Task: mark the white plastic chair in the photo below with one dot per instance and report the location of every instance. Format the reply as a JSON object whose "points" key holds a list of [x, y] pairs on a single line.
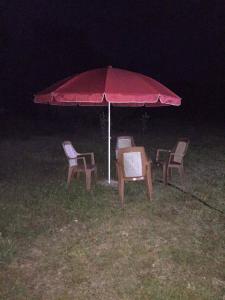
{"points": [[132, 165], [79, 163], [124, 142], [174, 159]]}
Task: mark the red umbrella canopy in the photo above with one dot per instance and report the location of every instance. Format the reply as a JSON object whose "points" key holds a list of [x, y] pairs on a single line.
{"points": [[117, 86]]}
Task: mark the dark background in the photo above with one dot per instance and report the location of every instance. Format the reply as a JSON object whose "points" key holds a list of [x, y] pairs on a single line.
{"points": [[179, 43]]}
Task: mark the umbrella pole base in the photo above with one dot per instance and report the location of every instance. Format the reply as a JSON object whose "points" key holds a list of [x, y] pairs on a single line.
{"points": [[104, 182]]}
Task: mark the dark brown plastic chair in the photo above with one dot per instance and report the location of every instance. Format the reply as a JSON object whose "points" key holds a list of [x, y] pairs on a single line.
{"points": [[79, 163], [132, 164], [174, 159]]}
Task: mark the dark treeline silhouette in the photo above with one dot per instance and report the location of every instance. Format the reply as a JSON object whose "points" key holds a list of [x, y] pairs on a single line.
{"points": [[182, 46]]}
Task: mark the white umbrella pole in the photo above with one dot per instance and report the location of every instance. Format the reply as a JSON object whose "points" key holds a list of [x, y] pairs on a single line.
{"points": [[109, 142]]}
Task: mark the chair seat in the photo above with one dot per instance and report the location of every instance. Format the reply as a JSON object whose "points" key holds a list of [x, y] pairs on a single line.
{"points": [[174, 163], [160, 162], [135, 179], [89, 167]]}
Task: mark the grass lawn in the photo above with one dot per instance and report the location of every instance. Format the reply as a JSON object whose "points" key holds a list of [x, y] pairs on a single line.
{"points": [[56, 244]]}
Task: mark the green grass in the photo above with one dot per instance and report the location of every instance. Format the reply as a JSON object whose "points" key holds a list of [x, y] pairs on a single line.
{"points": [[59, 244]]}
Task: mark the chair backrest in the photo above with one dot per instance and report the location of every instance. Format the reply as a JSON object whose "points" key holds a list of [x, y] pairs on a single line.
{"points": [[124, 142], [133, 161], [70, 152], [180, 149]]}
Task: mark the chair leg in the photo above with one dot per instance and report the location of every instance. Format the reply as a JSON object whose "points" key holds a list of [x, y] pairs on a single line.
{"points": [[169, 173], [70, 173], [165, 173], [148, 181], [117, 172], [96, 174], [88, 180], [121, 192], [181, 171]]}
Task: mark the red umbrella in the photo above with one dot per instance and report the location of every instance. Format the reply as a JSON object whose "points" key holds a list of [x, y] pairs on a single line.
{"points": [[104, 86]]}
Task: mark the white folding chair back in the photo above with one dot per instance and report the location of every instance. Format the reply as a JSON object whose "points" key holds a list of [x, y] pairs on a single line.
{"points": [[132, 164]]}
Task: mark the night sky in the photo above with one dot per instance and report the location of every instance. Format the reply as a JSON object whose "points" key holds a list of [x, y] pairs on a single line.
{"points": [[180, 43]]}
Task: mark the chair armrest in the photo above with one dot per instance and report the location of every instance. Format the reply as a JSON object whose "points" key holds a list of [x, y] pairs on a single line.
{"points": [[161, 150], [171, 158], [84, 161], [92, 156]]}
